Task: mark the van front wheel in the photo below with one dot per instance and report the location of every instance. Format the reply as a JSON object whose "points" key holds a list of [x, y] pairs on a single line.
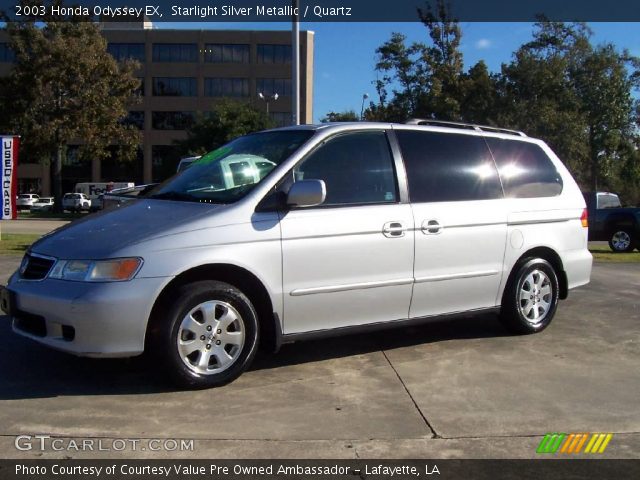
{"points": [[209, 335], [531, 297]]}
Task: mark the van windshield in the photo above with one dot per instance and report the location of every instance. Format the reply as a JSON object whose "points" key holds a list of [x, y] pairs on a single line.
{"points": [[229, 173]]}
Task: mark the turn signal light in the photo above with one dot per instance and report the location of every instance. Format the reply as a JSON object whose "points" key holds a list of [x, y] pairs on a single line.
{"points": [[584, 218]]}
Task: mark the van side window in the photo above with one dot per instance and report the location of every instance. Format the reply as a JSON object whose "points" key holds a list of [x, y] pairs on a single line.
{"points": [[525, 169], [445, 167], [357, 168]]}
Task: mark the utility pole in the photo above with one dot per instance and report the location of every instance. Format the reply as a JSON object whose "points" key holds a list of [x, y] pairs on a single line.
{"points": [[295, 64]]}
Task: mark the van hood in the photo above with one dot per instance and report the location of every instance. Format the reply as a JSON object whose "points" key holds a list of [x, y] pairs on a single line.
{"points": [[103, 234]]}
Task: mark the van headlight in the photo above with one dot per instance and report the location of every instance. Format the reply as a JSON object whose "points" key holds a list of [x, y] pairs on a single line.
{"points": [[116, 270]]}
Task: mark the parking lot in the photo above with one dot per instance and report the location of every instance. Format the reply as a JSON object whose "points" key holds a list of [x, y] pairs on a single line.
{"points": [[462, 389]]}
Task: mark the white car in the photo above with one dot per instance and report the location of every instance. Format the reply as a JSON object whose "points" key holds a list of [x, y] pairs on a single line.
{"points": [[307, 232], [44, 204], [26, 200], [76, 202]]}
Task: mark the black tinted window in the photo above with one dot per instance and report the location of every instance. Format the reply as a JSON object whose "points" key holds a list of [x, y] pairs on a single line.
{"points": [[226, 53], [175, 52], [356, 168], [526, 171], [175, 86], [444, 167], [127, 51]]}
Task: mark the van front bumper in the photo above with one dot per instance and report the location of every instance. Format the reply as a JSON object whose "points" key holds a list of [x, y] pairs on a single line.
{"points": [[84, 318]]}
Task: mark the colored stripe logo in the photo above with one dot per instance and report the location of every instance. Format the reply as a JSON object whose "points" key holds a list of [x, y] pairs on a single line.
{"points": [[572, 443]]}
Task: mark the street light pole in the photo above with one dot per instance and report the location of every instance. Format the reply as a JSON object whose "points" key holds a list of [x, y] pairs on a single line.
{"points": [[364, 97], [267, 99], [295, 64]]}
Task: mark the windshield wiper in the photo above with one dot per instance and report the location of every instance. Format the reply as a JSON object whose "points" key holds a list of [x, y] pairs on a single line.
{"points": [[171, 195]]}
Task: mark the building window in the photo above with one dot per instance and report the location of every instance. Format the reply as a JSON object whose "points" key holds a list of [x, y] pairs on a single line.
{"points": [[281, 119], [277, 54], [175, 52], [174, 87], [223, 53], [139, 91], [6, 54], [135, 118], [171, 120], [115, 168], [226, 87], [165, 160], [271, 86], [127, 51]]}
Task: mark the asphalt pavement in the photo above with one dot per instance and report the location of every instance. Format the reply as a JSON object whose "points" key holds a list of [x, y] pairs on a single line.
{"points": [[460, 389]]}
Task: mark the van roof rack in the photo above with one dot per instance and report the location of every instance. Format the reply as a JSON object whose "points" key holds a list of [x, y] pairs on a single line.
{"points": [[468, 126]]}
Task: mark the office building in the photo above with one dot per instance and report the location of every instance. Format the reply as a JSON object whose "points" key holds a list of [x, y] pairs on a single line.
{"points": [[183, 74]]}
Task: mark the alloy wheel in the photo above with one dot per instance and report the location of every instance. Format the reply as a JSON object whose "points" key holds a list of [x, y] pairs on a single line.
{"points": [[535, 297], [211, 337]]}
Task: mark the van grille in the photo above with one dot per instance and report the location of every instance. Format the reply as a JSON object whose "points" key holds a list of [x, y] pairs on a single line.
{"points": [[35, 267]]}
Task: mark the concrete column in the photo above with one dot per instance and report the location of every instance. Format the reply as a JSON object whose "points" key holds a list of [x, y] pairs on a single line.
{"points": [[96, 170], [46, 180], [147, 164]]}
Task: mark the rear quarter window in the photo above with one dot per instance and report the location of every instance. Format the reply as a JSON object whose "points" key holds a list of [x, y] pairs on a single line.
{"points": [[525, 169]]}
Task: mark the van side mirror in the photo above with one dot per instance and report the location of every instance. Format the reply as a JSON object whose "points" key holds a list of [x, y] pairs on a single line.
{"points": [[307, 193]]}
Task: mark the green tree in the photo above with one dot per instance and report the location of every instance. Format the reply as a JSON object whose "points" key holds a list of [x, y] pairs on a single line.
{"points": [[576, 97], [228, 120], [346, 116], [605, 89], [65, 88], [479, 96], [403, 79], [444, 63], [421, 80]]}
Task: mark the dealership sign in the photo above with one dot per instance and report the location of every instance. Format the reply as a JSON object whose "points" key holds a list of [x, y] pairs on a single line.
{"points": [[9, 176]]}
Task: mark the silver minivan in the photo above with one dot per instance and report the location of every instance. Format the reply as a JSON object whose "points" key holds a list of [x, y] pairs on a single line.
{"points": [[311, 231]]}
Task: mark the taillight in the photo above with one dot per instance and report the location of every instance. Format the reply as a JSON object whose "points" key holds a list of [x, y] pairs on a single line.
{"points": [[584, 219]]}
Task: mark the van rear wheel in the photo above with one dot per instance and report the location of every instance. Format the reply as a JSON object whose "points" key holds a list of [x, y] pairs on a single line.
{"points": [[209, 335], [531, 297]]}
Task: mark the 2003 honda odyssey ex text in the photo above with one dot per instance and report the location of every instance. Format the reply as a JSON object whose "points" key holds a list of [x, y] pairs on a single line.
{"points": [[307, 231]]}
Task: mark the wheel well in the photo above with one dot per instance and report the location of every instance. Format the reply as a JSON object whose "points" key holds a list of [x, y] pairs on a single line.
{"points": [[556, 262], [240, 278]]}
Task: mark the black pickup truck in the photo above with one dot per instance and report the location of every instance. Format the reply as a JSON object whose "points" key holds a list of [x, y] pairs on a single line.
{"points": [[609, 221]]}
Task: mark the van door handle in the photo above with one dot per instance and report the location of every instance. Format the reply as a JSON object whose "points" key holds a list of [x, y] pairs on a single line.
{"points": [[431, 227], [393, 229]]}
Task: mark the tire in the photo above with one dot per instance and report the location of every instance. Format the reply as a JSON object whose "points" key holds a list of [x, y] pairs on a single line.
{"points": [[530, 298], [208, 335], [621, 240]]}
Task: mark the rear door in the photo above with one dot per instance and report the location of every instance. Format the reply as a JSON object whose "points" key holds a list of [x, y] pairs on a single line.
{"points": [[349, 261], [460, 221]]}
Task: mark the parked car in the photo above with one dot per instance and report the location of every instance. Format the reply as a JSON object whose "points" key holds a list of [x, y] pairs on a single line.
{"points": [[186, 163], [26, 200], [44, 204], [119, 197], [94, 190], [609, 221], [348, 228], [76, 202]]}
